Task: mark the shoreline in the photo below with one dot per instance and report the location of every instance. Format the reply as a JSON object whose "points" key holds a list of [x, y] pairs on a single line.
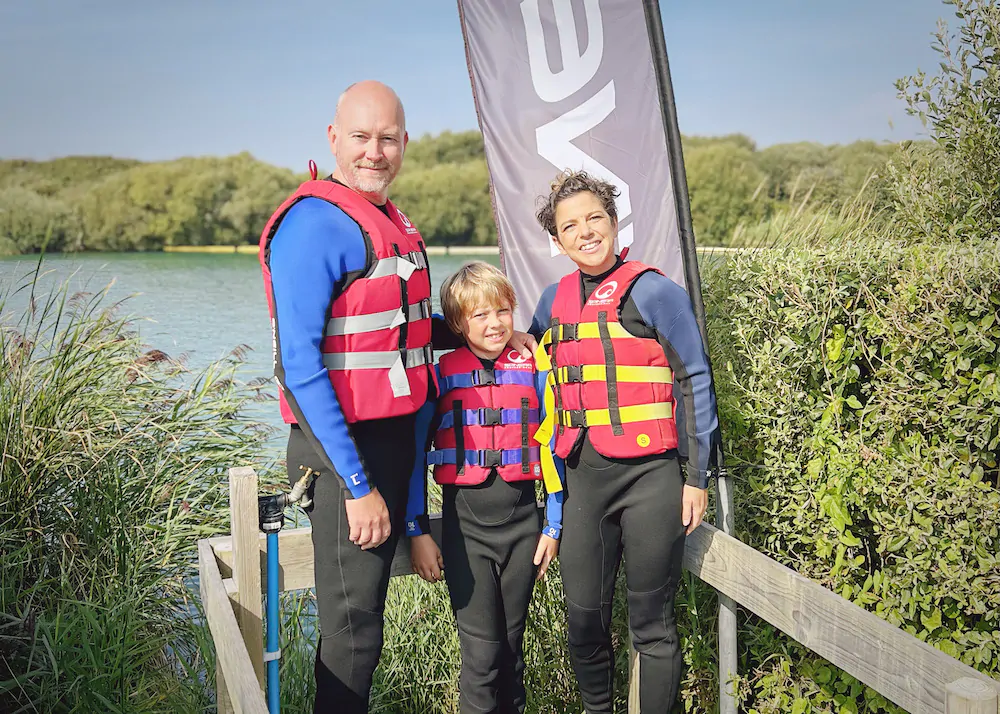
{"points": [[431, 249]]}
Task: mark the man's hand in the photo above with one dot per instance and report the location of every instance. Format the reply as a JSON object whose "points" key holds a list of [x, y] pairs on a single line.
{"points": [[545, 553], [368, 518], [695, 502], [523, 343], [425, 557]]}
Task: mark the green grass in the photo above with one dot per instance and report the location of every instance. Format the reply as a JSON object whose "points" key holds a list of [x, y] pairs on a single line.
{"points": [[113, 465]]}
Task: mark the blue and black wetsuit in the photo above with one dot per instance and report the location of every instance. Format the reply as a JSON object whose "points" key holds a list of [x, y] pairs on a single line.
{"points": [[315, 253], [634, 507], [489, 533]]}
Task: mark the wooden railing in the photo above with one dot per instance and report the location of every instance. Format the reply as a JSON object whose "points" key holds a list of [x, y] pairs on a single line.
{"points": [[911, 673]]}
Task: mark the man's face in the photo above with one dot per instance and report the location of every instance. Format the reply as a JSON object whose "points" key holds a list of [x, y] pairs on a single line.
{"points": [[586, 233], [368, 141]]}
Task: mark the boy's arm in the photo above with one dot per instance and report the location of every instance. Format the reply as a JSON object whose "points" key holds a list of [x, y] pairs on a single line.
{"points": [[417, 522]]}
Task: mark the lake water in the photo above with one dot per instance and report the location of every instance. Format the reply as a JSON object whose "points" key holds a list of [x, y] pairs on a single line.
{"points": [[197, 305]]}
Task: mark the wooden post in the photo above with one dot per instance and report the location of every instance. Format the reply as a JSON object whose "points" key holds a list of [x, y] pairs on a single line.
{"points": [[246, 563], [727, 606], [633, 678], [971, 696]]}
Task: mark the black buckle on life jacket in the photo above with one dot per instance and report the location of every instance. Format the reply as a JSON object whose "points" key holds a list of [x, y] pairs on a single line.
{"points": [[577, 418], [489, 416], [574, 373], [569, 332], [484, 378], [425, 308], [488, 458]]}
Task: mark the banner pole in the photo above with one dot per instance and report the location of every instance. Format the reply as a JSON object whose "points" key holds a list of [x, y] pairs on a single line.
{"points": [[728, 665]]}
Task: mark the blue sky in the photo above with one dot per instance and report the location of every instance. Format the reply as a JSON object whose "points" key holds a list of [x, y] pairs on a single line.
{"points": [[192, 77]]}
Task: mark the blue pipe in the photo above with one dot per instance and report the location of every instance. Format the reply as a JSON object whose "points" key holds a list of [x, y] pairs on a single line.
{"points": [[273, 690]]}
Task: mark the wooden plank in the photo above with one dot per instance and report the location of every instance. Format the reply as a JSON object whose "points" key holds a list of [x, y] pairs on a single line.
{"points": [[971, 696], [233, 660], [295, 556], [907, 671], [246, 570], [223, 704]]}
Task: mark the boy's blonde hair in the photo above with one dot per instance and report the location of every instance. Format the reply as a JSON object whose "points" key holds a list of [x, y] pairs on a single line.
{"points": [[474, 284]]}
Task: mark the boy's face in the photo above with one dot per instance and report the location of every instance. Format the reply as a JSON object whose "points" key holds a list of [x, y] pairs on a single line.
{"points": [[487, 329], [586, 233]]}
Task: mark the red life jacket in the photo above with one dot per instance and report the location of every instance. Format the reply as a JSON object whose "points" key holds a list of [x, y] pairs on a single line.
{"points": [[377, 342], [617, 386], [489, 417]]}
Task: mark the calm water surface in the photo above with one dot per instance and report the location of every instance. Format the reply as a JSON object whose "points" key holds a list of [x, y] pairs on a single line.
{"points": [[198, 306]]}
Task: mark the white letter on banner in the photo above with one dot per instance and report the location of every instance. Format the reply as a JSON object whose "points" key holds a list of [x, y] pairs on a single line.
{"points": [[578, 69], [555, 146]]}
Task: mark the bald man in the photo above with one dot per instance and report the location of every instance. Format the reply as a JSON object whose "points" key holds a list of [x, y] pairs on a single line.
{"points": [[349, 294]]}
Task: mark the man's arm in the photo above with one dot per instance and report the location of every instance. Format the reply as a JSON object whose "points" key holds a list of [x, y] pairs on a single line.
{"points": [[314, 249], [441, 335], [666, 307]]}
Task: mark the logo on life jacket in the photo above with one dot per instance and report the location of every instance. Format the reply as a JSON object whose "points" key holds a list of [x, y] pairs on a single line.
{"points": [[516, 357], [602, 296], [406, 222]]}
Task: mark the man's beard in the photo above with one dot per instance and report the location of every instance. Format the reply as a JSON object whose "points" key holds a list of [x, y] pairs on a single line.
{"points": [[372, 184]]}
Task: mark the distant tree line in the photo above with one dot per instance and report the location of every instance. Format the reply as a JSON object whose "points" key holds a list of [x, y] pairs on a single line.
{"points": [[84, 203]]}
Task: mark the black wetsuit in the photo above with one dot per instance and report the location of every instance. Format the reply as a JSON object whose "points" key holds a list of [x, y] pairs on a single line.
{"points": [[489, 536], [633, 507]]}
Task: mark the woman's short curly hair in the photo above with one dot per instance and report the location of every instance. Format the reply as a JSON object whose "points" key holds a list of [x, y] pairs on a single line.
{"points": [[569, 183]]}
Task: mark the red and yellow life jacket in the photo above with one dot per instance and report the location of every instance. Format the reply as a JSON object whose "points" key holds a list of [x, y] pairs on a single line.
{"points": [[377, 342], [487, 418], [617, 386]]}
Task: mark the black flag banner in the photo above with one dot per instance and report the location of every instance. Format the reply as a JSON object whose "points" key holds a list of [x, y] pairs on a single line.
{"points": [[571, 84]]}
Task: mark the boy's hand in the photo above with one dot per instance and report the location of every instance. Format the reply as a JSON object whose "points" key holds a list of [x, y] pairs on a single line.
{"points": [[425, 557], [545, 553], [523, 343]]}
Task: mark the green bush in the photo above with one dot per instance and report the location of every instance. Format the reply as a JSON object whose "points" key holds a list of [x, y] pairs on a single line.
{"points": [[860, 398]]}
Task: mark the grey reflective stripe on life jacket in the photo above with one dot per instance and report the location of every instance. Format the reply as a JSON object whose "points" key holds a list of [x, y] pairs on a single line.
{"points": [[393, 361], [373, 322]]}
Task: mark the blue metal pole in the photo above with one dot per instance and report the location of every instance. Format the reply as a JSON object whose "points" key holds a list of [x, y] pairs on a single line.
{"points": [[273, 691]]}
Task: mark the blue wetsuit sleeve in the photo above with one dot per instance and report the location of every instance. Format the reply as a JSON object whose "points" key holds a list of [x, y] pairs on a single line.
{"points": [[315, 247], [417, 522], [552, 526], [666, 307], [543, 312]]}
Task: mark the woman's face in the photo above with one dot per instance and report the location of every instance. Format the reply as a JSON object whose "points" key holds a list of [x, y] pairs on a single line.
{"points": [[586, 233]]}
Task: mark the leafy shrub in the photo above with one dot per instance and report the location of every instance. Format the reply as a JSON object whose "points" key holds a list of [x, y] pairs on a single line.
{"points": [[861, 402]]}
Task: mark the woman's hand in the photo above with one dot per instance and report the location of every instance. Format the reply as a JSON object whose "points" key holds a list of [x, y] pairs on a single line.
{"points": [[695, 502], [523, 343]]}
